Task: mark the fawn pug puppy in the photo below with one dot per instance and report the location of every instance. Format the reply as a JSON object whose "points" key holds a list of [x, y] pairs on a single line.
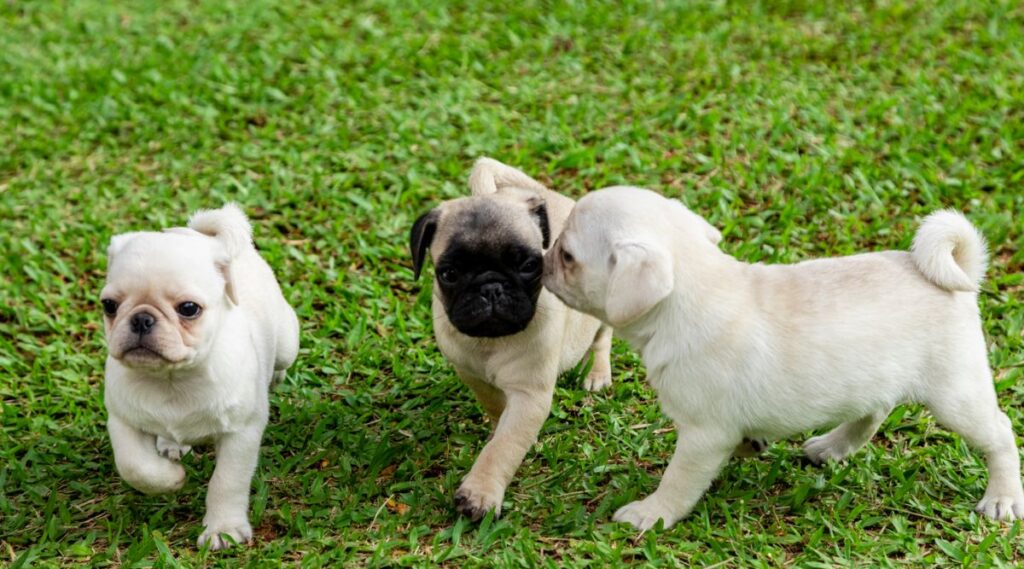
{"points": [[507, 337], [196, 328], [737, 350]]}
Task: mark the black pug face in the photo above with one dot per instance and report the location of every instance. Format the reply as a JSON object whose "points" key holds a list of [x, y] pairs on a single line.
{"points": [[490, 259], [490, 290]]}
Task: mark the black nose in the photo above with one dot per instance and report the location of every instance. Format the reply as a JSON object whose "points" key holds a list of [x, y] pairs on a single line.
{"points": [[492, 291], [142, 323]]}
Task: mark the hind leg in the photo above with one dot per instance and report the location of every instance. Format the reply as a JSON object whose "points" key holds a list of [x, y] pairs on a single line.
{"points": [[973, 412], [845, 439], [287, 339], [170, 449], [600, 375]]}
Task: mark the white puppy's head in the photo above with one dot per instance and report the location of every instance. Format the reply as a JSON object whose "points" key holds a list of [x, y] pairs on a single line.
{"points": [[620, 249], [165, 297]]}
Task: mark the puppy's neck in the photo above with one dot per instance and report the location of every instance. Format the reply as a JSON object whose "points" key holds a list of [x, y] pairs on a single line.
{"points": [[171, 376], [181, 374]]}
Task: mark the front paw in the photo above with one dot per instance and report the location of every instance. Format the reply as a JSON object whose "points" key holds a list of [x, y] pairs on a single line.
{"points": [[170, 449], [221, 535], [597, 380], [157, 477], [643, 514], [474, 500], [1002, 507]]}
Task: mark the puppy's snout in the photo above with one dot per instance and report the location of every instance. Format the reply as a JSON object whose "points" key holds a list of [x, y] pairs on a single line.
{"points": [[492, 291], [142, 323]]}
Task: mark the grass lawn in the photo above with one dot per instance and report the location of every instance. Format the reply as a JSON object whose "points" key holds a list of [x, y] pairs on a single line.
{"points": [[799, 128]]}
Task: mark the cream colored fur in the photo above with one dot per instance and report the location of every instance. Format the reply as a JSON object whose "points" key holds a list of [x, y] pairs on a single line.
{"points": [[738, 351], [203, 379]]}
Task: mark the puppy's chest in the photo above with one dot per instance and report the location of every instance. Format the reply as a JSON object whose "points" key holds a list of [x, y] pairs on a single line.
{"points": [[200, 426], [689, 391], [192, 418], [467, 358]]}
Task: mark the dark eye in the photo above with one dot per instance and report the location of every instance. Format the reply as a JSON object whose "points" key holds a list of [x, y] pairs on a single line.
{"points": [[530, 266], [188, 309], [448, 275], [567, 257], [109, 306]]}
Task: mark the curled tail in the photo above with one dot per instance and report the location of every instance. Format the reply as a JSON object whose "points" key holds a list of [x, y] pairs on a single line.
{"points": [[950, 252], [227, 224], [489, 175]]}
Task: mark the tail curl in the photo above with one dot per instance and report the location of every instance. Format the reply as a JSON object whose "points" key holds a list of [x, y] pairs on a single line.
{"points": [[950, 251], [227, 224]]}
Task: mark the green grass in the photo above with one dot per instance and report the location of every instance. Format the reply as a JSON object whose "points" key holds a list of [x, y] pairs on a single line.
{"points": [[801, 130]]}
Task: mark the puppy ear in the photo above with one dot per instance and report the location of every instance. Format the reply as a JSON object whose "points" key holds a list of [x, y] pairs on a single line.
{"points": [[710, 231], [420, 238], [488, 176], [539, 211], [224, 268], [118, 242], [641, 277]]}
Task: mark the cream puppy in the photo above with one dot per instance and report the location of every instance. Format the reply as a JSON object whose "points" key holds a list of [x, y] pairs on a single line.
{"points": [[738, 351], [196, 328]]}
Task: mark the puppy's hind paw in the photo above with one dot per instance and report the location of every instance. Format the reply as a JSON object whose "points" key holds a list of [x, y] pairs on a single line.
{"points": [[278, 378], [750, 447], [218, 536], [170, 449], [597, 380], [1002, 507], [824, 448]]}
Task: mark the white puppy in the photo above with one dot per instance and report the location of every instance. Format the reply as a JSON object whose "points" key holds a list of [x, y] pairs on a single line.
{"points": [[738, 351], [196, 329]]}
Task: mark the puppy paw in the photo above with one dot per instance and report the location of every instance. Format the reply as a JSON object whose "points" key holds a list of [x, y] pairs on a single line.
{"points": [[597, 380], [474, 500], [154, 475], [1007, 507], [643, 514], [824, 448], [279, 376], [222, 535], [170, 449]]}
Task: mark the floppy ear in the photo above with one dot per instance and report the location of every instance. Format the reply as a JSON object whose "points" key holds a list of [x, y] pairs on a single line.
{"points": [[712, 232], [420, 238], [224, 268], [539, 211], [709, 231], [641, 277], [118, 242]]}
